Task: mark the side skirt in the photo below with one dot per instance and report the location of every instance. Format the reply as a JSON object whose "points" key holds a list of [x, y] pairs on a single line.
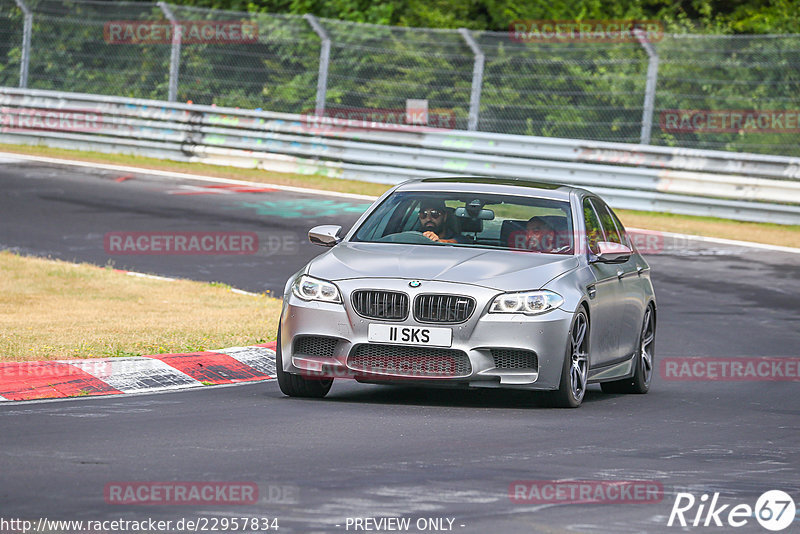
{"points": [[615, 371]]}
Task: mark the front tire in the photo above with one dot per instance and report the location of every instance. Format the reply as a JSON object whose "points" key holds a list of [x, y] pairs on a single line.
{"points": [[575, 371], [295, 385], [639, 383]]}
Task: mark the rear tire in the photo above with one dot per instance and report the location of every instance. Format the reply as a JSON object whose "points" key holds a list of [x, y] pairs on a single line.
{"points": [[295, 385], [639, 383], [575, 371]]}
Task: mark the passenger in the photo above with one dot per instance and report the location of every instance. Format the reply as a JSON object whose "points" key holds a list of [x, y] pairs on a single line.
{"points": [[434, 219]]}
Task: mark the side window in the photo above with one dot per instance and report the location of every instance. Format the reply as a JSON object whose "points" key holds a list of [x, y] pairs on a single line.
{"points": [[594, 232], [612, 233], [623, 234]]}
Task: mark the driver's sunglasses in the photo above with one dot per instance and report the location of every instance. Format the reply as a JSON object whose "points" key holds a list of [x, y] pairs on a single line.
{"points": [[430, 214]]}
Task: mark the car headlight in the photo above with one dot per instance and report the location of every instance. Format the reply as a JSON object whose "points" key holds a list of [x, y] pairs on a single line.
{"points": [[527, 302], [309, 288]]}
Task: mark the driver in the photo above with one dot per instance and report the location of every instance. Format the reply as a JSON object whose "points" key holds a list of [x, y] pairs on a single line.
{"points": [[433, 217]]}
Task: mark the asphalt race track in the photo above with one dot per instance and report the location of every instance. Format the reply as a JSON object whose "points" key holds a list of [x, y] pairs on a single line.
{"points": [[65, 213], [386, 452]]}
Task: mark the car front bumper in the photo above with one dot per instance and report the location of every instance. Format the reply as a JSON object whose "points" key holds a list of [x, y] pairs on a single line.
{"points": [[483, 342]]}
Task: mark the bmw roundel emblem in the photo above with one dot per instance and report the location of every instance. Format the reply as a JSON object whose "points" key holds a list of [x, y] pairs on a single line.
{"points": [[414, 283]]}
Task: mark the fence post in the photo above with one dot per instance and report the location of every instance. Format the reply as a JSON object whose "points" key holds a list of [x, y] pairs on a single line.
{"points": [[650, 89], [477, 79], [25, 60], [175, 55], [324, 61]]}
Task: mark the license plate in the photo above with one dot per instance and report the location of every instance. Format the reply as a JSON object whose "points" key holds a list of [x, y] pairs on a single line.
{"points": [[410, 335]]}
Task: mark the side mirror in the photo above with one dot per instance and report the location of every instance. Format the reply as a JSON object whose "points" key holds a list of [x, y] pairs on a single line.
{"points": [[613, 252], [326, 235]]}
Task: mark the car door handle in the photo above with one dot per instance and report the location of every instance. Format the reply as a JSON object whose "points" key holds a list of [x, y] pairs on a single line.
{"points": [[639, 269], [620, 273], [592, 290]]}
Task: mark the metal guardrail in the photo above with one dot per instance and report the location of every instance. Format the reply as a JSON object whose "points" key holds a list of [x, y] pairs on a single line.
{"points": [[747, 187]]}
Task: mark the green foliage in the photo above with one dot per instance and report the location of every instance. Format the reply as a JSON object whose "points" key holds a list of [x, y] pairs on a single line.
{"points": [[705, 16], [576, 90]]}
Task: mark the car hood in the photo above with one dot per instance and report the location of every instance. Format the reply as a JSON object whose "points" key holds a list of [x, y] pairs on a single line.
{"points": [[497, 269]]}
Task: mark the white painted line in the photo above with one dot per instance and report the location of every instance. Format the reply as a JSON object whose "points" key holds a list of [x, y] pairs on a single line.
{"points": [[139, 170], [168, 279], [151, 276], [185, 176], [260, 358], [2, 398], [720, 241], [137, 374], [243, 292]]}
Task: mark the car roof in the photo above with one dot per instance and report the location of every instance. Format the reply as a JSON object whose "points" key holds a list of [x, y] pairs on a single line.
{"points": [[484, 184]]}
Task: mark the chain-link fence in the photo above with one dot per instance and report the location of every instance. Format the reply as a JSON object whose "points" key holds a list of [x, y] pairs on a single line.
{"points": [[704, 90]]}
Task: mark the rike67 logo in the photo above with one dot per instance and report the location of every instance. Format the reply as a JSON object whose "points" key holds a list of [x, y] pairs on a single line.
{"points": [[774, 510]]}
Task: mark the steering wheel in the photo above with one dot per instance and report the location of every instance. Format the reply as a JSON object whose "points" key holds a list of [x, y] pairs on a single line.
{"points": [[410, 237]]}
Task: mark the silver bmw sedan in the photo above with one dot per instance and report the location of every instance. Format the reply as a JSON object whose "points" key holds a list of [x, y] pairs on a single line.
{"points": [[473, 282]]}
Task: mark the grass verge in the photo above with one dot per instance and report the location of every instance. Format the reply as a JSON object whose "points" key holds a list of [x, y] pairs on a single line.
{"points": [[56, 310], [773, 234]]}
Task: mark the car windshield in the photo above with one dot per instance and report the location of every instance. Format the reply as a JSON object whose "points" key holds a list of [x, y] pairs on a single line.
{"points": [[509, 222]]}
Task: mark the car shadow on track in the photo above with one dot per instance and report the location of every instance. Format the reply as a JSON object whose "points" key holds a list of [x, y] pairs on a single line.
{"points": [[467, 398]]}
